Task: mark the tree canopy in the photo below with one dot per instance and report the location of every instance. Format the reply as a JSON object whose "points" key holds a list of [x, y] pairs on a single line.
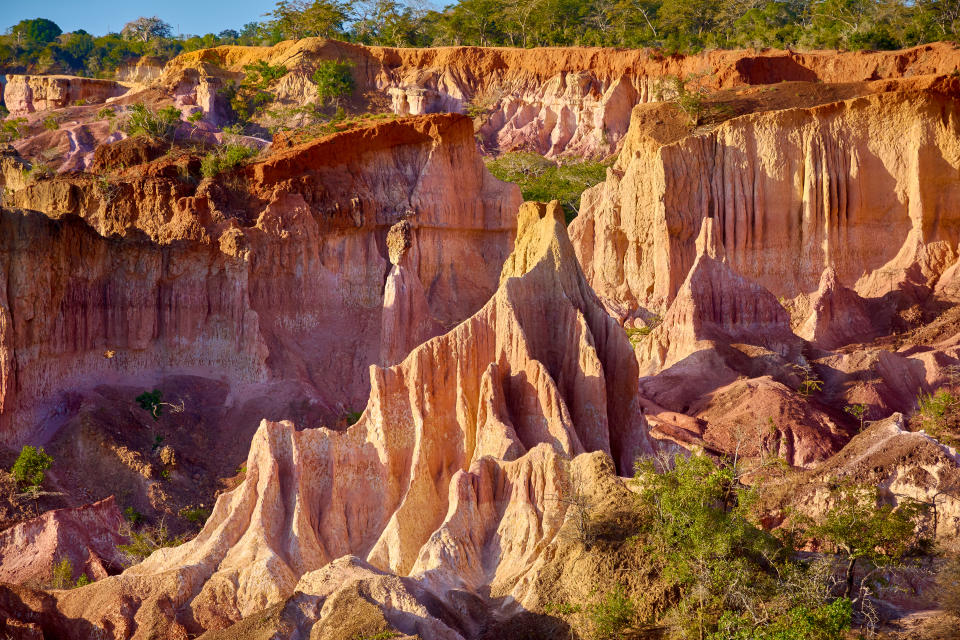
{"points": [[38, 45]]}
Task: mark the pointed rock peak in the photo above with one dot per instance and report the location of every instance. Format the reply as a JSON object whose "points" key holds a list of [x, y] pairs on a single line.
{"points": [[838, 315], [716, 305], [531, 213], [828, 280], [541, 232], [708, 243]]}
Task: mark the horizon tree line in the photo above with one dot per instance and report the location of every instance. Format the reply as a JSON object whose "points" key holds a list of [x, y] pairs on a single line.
{"points": [[673, 26]]}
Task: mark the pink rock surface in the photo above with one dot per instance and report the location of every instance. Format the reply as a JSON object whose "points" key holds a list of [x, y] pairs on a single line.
{"points": [[838, 316], [716, 305], [562, 101], [87, 536]]}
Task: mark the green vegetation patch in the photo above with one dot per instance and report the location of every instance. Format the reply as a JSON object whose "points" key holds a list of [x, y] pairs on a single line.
{"points": [[225, 158], [31, 466], [160, 124], [543, 180]]}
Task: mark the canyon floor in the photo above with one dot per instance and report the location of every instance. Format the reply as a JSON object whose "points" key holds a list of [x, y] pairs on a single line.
{"points": [[348, 384]]}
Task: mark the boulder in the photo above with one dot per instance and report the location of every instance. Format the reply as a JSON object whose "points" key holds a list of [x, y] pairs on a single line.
{"points": [[86, 536]]}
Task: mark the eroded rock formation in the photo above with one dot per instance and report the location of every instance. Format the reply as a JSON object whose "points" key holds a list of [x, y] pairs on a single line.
{"points": [[281, 279], [904, 465], [23, 95], [452, 477], [846, 185], [556, 101]]}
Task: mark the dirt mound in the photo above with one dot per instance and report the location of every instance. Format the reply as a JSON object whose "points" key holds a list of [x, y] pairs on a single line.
{"points": [[126, 153]]}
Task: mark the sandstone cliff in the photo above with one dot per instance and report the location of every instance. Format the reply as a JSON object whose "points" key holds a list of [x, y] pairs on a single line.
{"points": [[556, 101], [845, 185], [23, 95], [278, 278]]}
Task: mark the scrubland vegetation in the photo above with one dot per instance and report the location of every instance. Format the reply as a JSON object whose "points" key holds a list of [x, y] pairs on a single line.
{"points": [[543, 180], [715, 573], [39, 45]]}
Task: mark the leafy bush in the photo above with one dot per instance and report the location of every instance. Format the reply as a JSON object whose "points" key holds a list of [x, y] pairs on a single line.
{"points": [[132, 515], [50, 123], [729, 580], [483, 102], [149, 401], [12, 129], [690, 97], [251, 95], [261, 74], [634, 334], [948, 586], [145, 541], [860, 528], [858, 411], [196, 515], [334, 81], [380, 635], [153, 124], [31, 466], [543, 180], [106, 113], [37, 171], [62, 577], [826, 622], [939, 413], [225, 158], [612, 615]]}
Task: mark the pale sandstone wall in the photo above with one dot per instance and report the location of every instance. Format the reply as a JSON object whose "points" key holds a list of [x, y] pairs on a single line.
{"points": [[23, 95], [867, 187], [559, 101]]}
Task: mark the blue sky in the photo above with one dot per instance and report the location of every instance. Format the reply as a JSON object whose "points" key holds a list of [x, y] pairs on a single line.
{"points": [[97, 17]]}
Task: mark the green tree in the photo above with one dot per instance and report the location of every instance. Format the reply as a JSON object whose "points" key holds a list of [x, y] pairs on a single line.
{"points": [[939, 414], [38, 31], [860, 528], [78, 45], [146, 29], [31, 466], [296, 19], [334, 81], [612, 615], [150, 402], [543, 180], [729, 579], [698, 526], [775, 24], [62, 574], [690, 21], [159, 124], [948, 586]]}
